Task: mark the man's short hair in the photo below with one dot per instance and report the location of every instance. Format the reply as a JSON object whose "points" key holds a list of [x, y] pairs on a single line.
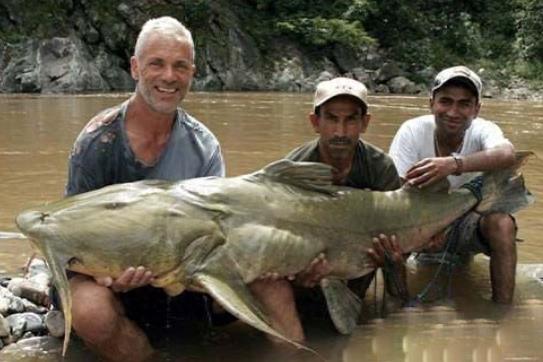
{"points": [[165, 25]]}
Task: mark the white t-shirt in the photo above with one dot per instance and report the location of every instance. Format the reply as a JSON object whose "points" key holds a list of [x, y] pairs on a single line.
{"points": [[414, 141]]}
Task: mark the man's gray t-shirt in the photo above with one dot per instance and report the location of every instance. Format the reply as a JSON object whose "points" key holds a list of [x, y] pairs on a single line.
{"points": [[102, 156]]}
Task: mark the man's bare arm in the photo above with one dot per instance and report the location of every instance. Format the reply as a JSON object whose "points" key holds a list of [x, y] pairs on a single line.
{"points": [[430, 170]]}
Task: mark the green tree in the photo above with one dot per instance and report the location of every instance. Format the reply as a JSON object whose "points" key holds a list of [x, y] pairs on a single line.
{"points": [[530, 23]]}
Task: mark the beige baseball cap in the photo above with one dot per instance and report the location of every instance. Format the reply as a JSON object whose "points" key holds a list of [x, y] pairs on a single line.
{"points": [[329, 89], [458, 72]]}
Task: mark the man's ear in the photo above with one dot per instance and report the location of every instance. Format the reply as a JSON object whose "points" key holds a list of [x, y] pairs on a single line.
{"points": [[134, 67], [314, 119], [477, 109], [365, 122]]}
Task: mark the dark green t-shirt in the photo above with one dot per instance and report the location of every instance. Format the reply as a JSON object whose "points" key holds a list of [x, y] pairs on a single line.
{"points": [[372, 168]]}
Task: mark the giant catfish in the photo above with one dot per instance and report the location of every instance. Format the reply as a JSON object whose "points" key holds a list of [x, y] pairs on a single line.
{"points": [[217, 235]]}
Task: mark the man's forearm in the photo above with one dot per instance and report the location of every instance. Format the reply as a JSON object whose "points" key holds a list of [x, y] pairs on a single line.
{"points": [[490, 159]]}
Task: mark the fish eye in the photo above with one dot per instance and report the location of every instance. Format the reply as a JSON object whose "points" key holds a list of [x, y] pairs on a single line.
{"points": [[73, 261]]}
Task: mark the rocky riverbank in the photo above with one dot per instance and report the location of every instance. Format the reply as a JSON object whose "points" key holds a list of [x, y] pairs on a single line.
{"points": [[85, 47], [27, 319]]}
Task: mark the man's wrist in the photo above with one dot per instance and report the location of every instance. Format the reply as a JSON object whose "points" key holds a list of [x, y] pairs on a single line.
{"points": [[459, 160]]}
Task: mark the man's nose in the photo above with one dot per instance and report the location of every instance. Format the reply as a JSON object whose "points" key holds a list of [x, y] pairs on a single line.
{"points": [[453, 110], [168, 73], [340, 129]]}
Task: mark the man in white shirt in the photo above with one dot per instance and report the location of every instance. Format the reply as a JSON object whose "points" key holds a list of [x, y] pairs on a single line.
{"points": [[453, 142]]}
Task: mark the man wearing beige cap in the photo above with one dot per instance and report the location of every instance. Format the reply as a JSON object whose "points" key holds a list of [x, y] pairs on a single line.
{"points": [[455, 143], [339, 116]]}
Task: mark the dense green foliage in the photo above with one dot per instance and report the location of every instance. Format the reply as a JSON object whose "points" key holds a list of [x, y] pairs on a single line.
{"points": [[494, 34], [418, 33]]}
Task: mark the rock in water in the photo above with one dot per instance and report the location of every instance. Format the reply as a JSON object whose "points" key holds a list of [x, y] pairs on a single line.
{"points": [[54, 321], [4, 327]]}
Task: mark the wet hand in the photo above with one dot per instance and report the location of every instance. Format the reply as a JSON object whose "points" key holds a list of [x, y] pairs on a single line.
{"points": [[430, 170], [130, 279], [311, 276], [384, 246], [436, 243]]}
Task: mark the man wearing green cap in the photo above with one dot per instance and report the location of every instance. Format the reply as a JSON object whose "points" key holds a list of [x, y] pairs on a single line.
{"points": [[454, 143]]}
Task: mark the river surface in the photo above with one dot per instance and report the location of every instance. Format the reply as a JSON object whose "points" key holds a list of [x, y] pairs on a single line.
{"points": [[36, 133]]}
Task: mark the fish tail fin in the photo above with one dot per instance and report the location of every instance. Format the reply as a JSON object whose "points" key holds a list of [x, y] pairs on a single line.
{"points": [[63, 288], [502, 190]]}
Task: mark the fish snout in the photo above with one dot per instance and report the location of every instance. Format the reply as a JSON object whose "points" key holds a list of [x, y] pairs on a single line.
{"points": [[28, 220]]}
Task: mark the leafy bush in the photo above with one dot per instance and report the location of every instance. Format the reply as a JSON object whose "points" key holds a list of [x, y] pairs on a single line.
{"points": [[530, 23], [319, 32]]}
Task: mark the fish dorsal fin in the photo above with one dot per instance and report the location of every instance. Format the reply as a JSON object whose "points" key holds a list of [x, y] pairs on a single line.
{"points": [[442, 186], [313, 176]]}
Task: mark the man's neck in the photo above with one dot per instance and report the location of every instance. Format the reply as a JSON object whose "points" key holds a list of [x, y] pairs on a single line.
{"points": [[342, 166], [447, 144], [148, 131], [142, 120]]}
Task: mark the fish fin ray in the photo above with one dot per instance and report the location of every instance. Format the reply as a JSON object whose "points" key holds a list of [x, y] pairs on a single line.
{"points": [[57, 267], [343, 305], [236, 298], [314, 176]]}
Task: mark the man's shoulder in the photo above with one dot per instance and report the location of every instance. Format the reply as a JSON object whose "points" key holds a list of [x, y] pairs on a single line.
{"points": [[305, 152], [426, 120], [373, 153], [483, 123], [102, 128], [103, 119], [196, 128], [373, 168]]}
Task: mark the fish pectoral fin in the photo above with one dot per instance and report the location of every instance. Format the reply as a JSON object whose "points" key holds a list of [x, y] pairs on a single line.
{"points": [[171, 282], [57, 267], [236, 298], [343, 305]]}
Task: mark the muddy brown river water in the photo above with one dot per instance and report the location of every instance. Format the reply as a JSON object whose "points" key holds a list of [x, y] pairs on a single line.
{"points": [[36, 133]]}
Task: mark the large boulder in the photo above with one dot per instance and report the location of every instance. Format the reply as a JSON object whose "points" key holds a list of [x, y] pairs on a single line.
{"points": [[229, 58], [401, 84], [60, 65]]}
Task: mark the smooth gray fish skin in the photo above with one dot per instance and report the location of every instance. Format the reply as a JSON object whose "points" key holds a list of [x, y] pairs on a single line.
{"points": [[219, 234]]}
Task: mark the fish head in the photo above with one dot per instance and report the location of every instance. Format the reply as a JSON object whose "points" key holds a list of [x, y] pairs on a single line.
{"points": [[30, 222], [122, 216], [119, 225]]}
